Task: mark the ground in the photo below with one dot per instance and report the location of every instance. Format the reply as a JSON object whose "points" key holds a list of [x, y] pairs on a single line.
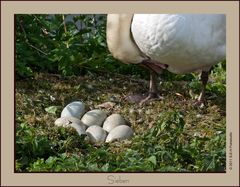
{"points": [[170, 135]]}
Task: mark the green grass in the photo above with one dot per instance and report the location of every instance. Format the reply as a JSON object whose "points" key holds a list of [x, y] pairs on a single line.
{"points": [[171, 135]]}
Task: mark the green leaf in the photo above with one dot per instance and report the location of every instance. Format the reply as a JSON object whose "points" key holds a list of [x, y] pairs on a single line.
{"points": [[153, 160], [105, 167], [51, 109]]}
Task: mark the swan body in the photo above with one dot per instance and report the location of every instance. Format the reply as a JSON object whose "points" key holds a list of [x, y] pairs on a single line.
{"points": [[180, 43], [185, 42], [120, 41]]}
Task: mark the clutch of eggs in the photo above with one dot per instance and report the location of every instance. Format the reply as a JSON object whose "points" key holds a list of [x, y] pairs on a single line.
{"points": [[94, 123]]}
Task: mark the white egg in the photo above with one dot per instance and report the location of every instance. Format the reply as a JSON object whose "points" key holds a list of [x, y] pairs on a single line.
{"points": [[79, 128], [75, 109], [113, 121], [96, 134], [71, 122], [121, 132], [94, 117], [66, 121]]}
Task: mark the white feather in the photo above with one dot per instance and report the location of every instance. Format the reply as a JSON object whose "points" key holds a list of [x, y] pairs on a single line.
{"points": [[185, 42]]}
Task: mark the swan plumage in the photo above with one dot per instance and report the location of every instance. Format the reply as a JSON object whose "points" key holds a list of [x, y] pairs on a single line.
{"points": [[119, 39], [180, 43], [185, 42]]}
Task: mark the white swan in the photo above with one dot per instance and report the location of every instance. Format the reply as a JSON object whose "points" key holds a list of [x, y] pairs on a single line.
{"points": [[180, 43]]}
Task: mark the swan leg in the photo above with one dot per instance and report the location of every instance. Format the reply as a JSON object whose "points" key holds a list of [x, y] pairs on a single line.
{"points": [[155, 68], [151, 95], [153, 84], [204, 80], [153, 91]]}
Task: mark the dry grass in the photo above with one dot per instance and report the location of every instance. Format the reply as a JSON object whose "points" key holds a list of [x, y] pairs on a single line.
{"points": [[45, 90]]}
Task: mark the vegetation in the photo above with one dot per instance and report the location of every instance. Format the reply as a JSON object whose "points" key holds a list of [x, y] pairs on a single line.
{"points": [[47, 43], [61, 61]]}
